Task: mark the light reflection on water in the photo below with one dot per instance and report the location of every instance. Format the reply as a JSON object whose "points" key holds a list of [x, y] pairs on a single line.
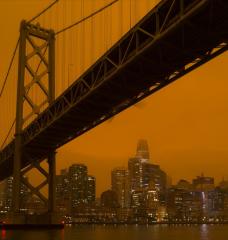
{"points": [[204, 232], [3, 234], [125, 232]]}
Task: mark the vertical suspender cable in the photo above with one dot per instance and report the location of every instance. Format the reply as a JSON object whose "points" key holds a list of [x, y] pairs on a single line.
{"points": [[64, 48], [92, 35], [130, 15]]}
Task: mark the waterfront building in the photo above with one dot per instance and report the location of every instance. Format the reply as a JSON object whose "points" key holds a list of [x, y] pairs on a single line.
{"points": [[184, 205], [109, 199], [91, 189], [223, 184], [74, 187], [35, 205], [225, 205], [63, 191], [78, 184], [196, 205], [24, 196], [7, 195], [8, 192], [152, 201], [82, 187], [175, 203], [120, 185], [184, 184], [161, 214], [2, 196], [124, 214], [203, 183]]}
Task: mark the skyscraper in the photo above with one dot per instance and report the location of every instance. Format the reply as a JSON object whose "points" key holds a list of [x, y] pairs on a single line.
{"points": [[203, 183], [143, 150], [120, 185], [7, 195], [78, 184], [63, 191], [135, 173], [135, 165], [142, 172], [91, 189], [152, 172], [2, 195]]}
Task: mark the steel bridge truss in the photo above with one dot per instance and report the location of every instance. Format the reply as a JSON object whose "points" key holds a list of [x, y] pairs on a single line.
{"points": [[149, 32], [35, 70]]}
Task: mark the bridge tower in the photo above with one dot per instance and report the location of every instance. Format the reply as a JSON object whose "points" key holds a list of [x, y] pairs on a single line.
{"points": [[36, 71]]}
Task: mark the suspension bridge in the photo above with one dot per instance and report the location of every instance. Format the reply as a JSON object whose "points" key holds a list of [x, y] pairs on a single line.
{"points": [[61, 94]]}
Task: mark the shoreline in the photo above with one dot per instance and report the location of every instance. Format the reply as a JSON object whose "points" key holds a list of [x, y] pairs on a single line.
{"points": [[152, 223]]}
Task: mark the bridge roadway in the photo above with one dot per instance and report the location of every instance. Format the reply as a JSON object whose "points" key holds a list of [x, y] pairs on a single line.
{"points": [[174, 38]]}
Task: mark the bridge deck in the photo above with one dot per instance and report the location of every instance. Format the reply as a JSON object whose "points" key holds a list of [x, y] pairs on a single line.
{"points": [[171, 40]]}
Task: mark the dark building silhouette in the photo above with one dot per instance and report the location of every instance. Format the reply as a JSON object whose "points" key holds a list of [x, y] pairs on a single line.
{"points": [[203, 183], [184, 184], [109, 199]]}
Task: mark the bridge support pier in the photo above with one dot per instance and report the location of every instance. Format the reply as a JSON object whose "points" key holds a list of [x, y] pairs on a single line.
{"points": [[48, 217], [52, 183], [36, 70], [17, 175]]}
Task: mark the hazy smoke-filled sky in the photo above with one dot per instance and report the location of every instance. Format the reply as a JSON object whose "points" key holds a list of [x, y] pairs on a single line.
{"points": [[184, 123]]}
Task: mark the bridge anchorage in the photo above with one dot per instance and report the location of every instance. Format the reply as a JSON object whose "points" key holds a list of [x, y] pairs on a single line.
{"points": [[36, 71]]}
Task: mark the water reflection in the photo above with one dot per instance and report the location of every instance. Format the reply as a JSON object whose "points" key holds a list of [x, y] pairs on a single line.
{"points": [[204, 230], [3, 234], [34, 235], [133, 232]]}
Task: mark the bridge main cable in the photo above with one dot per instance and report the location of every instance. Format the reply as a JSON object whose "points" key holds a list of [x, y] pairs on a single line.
{"points": [[15, 50], [84, 19], [9, 68], [43, 11]]}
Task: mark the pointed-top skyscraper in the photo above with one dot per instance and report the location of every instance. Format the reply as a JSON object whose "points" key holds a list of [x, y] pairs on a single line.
{"points": [[143, 149]]}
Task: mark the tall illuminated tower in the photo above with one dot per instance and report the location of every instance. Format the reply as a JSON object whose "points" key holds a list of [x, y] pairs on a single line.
{"points": [[143, 150]]}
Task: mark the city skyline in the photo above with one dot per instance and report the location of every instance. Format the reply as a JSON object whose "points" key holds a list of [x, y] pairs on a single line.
{"points": [[124, 164], [140, 193]]}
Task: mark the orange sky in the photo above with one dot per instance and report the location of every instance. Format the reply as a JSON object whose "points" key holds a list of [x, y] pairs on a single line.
{"points": [[184, 123]]}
